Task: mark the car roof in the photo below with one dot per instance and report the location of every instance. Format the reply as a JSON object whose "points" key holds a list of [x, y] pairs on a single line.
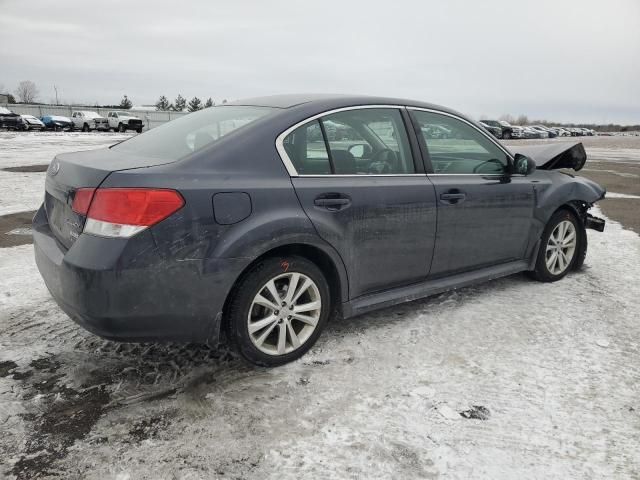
{"points": [[331, 101]]}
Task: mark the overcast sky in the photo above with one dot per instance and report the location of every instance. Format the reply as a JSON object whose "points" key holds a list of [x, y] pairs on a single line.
{"points": [[569, 60]]}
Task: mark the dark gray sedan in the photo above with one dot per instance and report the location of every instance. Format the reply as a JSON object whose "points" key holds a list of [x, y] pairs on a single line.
{"points": [[256, 221]]}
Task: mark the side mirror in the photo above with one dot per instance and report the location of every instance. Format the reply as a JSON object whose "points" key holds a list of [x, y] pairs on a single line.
{"points": [[360, 150], [523, 165]]}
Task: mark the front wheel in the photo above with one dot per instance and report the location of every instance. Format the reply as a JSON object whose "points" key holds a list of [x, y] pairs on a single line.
{"points": [[278, 310], [506, 135], [122, 128], [561, 247], [85, 127]]}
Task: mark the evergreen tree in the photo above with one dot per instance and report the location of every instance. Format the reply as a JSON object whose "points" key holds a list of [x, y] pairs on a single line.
{"points": [[210, 103], [195, 104], [125, 103], [162, 104], [180, 103]]}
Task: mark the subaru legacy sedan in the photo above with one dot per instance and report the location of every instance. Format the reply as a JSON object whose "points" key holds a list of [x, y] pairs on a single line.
{"points": [[256, 221]]}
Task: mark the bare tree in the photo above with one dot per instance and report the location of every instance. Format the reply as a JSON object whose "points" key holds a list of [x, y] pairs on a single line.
{"points": [[27, 91]]}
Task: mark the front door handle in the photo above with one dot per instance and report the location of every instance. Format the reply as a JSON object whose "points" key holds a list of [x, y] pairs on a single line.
{"points": [[333, 202], [453, 198]]}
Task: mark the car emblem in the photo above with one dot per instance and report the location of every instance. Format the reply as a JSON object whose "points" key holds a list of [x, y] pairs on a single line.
{"points": [[54, 168]]}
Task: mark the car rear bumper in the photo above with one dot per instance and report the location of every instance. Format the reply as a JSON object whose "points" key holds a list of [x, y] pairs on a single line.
{"points": [[125, 291]]}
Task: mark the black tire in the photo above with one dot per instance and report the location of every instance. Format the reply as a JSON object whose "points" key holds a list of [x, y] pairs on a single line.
{"points": [[541, 271], [252, 282], [85, 127], [581, 254], [122, 128], [506, 135], [139, 130]]}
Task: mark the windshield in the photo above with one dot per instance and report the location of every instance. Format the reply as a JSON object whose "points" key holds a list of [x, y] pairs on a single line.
{"points": [[124, 114], [179, 138]]}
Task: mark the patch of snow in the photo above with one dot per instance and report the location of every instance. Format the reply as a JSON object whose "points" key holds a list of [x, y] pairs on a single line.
{"points": [[621, 195], [449, 413], [374, 398]]}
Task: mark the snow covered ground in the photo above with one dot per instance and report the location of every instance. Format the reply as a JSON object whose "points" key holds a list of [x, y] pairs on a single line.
{"points": [[21, 191], [511, 379]]}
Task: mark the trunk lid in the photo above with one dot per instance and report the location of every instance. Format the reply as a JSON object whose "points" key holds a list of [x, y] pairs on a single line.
{"points": [[70, 171]]}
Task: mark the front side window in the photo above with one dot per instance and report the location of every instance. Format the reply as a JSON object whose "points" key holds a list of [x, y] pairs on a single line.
{"points": [[179, 138], [455, 147], [364, 141]]}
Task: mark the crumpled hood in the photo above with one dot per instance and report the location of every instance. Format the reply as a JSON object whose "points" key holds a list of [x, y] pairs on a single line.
{"points": [[550, 156]]}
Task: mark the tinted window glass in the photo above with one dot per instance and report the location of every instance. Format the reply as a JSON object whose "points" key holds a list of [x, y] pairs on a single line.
{"points": [[179, 138], [368, 141], [456, 147], [306, 149]]}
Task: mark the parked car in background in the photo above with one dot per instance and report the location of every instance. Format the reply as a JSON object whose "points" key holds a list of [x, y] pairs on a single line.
{"points": [[56, 122], [436, 131], [121, 121], [549, 130], [502, 125], [495, 131], [29, 122], [541, 130], [562, 132], [517, 131], [248, 222], [8, 119], [87, 121], [531, 133]]}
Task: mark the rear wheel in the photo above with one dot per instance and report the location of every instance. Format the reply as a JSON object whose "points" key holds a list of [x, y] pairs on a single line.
{"points": [[506, 135], [561, 248], [139, 130], [278, 310], [122, 128]]}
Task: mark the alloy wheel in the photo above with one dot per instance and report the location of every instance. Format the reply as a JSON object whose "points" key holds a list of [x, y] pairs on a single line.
{"points": [[561, 247], [284, 313]]}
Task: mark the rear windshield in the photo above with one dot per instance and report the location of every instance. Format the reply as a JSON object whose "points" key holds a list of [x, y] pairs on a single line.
{"points": [[178, 138]]}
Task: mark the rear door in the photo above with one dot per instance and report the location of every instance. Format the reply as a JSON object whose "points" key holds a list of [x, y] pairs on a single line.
{"points": [[355, 176], [485, 214]]}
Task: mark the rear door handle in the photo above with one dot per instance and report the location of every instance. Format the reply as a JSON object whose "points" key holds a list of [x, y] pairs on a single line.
{"points": [[331, 202], [453, 198]]}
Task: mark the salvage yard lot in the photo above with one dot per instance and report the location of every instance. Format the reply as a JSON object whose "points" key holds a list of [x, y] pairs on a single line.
{"points": [[509, 379]]}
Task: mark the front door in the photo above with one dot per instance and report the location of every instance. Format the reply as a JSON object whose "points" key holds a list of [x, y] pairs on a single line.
{"points": [[358, 184], [484, 213]]}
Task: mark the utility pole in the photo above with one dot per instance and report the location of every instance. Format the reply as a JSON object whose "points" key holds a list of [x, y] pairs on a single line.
{"points": [[56, 89]]}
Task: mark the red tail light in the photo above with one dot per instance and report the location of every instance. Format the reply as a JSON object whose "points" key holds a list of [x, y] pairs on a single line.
{"points": [[134, 206], [123, 212], [82, 200]]}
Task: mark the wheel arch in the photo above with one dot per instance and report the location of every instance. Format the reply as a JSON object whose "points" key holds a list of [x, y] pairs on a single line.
{"points": [[331, 267]]}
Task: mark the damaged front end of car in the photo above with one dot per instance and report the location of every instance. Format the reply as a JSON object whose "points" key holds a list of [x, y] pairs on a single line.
{"points": [[577, 193]]}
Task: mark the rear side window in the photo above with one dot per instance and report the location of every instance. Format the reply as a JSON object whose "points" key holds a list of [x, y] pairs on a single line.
{"points": [[307, 151], [456, 147], [193, 132], [364, 141]]}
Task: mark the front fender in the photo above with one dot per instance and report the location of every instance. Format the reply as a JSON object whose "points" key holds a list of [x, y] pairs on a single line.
{"points": [[560, 189]]}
